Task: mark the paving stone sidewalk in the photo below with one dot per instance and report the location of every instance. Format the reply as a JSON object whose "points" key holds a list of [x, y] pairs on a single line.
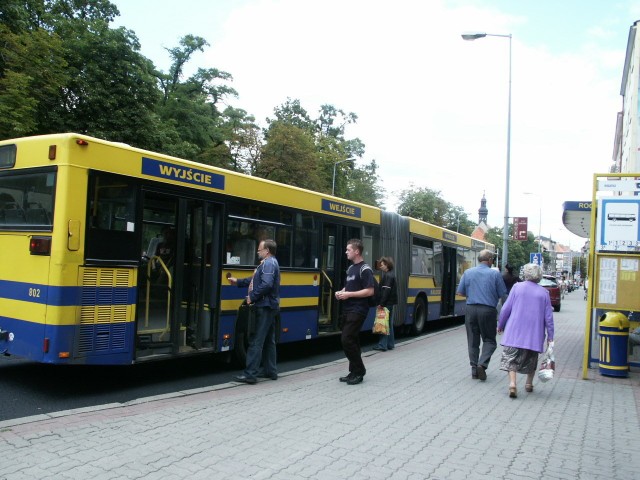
{"points": [[418, 415]]}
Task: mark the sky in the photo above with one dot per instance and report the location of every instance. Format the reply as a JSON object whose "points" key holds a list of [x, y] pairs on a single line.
{"points": [[432, 108]]}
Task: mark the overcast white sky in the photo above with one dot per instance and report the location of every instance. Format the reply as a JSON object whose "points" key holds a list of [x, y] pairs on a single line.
{"points": [[432, 108]]}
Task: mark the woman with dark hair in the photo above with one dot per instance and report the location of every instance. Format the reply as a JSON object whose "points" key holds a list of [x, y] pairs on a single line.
{"points": [[388, 298], [525, 317], [509, 278]]}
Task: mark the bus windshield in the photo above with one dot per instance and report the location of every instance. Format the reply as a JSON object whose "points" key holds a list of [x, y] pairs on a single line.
{"points": [[26, 201]]}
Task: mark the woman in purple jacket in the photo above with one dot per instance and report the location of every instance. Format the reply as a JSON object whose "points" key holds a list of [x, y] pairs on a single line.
{"points": [[524, 318]]}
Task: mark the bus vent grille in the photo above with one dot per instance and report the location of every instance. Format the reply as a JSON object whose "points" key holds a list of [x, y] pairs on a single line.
{"points": [[104, 309], [102, 338], [105, 295]]}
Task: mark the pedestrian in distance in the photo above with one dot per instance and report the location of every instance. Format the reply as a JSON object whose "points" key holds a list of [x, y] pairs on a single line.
{"points": [[634, 339], [388, 298], [509, 278], [264, 293], [525, 317], [484, 287], [358, 286]]}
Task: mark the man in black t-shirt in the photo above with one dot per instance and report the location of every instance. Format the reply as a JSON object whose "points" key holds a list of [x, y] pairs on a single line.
{"points": [[358, 286]]}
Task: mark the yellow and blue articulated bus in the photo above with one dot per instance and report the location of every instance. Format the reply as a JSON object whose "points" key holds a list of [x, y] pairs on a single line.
{"points": [[116, 255]]}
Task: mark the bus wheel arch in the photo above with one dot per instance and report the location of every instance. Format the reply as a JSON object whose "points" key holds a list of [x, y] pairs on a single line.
{"points": [[420, 310]]}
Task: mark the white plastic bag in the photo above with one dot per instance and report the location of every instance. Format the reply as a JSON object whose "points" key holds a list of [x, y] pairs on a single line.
{"points": [[548, 364]]}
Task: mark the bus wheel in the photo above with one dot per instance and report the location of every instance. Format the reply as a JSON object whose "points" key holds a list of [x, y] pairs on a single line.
{"points": [[419, 316]]}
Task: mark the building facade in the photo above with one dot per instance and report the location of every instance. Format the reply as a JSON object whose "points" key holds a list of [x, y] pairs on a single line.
{"points": [[626, 152]]}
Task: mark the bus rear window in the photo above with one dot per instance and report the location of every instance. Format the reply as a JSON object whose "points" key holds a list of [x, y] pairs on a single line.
{"points": [[26, 201], [7, 156]]}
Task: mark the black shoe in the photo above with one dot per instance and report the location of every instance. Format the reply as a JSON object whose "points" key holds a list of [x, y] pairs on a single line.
{"points": [[474, 373], [356, 379], [273, 376], [347, 378], [245, 379], [378, 347], [482, 374]]}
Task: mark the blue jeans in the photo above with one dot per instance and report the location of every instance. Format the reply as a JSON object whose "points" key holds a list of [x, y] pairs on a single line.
{"points": [[387, 342], [262, 344]]}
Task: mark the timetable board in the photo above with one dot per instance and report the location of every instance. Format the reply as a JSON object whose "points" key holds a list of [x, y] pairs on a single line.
{"points": [[617, 282]]}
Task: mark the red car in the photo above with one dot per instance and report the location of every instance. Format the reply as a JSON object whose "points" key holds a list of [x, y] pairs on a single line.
{"points": [[551, 284]]}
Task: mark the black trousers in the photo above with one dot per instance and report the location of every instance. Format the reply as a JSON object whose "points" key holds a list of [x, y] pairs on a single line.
{"points": [[351, 326]]}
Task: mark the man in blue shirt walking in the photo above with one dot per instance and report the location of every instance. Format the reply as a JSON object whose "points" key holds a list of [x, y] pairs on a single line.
{"points": [[483, 287]]}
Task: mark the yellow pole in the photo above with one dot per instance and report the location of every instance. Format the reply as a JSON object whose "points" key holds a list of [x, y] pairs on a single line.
{"points": [[592, 281]]}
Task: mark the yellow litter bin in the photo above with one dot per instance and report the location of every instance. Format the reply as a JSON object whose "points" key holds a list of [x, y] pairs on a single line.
{"points": [[614, 339]]}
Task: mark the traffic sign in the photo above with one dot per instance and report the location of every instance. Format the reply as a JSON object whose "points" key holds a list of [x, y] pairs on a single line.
{"points": [[520, 230], [535, 258]]}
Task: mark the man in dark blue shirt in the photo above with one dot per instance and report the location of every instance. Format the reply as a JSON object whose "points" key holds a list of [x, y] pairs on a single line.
{"points": [[264, 293], [358, 286], [483, 287]]}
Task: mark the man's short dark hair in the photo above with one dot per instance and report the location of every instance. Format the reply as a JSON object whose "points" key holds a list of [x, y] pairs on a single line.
{"points": [[356, 244], [270, 245]]}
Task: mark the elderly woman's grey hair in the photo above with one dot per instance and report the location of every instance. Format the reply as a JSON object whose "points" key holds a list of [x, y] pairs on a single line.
{"points": [[532, 272], [485, 255]]}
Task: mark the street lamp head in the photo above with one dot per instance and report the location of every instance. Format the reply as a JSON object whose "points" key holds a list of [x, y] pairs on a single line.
{"points": [[473, 36]]}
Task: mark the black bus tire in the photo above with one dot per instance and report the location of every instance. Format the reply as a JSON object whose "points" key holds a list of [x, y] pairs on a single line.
{"points": [[419, 317]]}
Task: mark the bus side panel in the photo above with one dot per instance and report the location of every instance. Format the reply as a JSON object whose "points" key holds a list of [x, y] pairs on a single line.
{"points": [[461, 305], [21, 337], [423, 287], [23, 296], [299, 299], [298, 324], [107, 344]]}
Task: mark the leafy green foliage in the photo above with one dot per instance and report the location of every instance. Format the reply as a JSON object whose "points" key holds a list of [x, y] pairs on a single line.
{"points": [[335, 157], [290, 157], [428, 205], [64, 68]]}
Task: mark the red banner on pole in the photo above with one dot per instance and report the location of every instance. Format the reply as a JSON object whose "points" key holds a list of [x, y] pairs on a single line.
{"points": [[520, 228]]}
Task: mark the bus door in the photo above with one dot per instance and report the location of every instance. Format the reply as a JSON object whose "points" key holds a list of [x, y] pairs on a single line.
{"points": [[200, 285], [177, 288], [449, 270], [333, 271]]}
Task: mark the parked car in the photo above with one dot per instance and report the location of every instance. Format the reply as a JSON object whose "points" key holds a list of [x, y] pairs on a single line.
{"points": [[551, 284]]}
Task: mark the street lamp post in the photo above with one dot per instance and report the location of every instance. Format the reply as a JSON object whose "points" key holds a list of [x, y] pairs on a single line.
{"points": [[333, 185], [539, 219], [505, 228]]}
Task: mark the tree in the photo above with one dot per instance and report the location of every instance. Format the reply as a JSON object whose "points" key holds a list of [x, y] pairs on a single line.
{"points": [[354, 182], [362, 185], [237, 142], [425, 204], [191, 106], [75, 73], [32, 70], [290, 157], [519, 251], [111, 91]]}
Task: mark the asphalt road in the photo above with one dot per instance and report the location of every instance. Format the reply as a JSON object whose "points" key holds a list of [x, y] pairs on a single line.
{"points": [[30, 388]]}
